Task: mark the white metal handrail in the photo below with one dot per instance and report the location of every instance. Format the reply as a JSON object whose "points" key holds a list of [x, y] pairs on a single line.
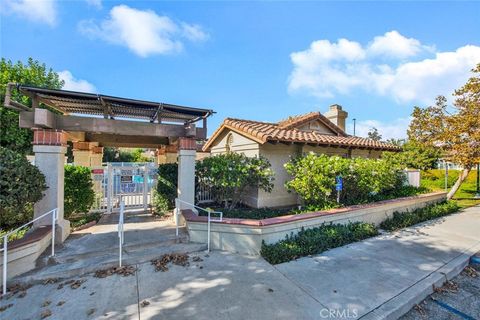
{"points": [[209, 212], [54, 213], [120, 232]]}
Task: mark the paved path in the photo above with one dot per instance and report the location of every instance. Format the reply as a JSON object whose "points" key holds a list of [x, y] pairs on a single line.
{"points": [[374, 277], [366, 279]]}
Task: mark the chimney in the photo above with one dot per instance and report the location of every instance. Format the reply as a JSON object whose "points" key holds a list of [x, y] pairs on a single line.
{"points": [[337, 115]]}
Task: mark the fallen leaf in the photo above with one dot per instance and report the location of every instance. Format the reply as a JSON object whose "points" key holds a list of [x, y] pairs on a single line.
{"points": [[179, 259], [60, 303], [144, 303], [6, 307], [46, 303], [90, 312], [45, 314]]}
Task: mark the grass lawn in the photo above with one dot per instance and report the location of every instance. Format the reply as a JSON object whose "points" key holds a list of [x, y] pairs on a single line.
{"points": [[435, 181]]}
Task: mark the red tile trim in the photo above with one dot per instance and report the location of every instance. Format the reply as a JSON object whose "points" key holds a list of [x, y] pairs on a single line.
{"points": [[187, 144], [47, 137], [31, 237]]}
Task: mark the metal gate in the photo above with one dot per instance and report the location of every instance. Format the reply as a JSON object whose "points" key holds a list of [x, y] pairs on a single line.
{"points": [[131, 182]]}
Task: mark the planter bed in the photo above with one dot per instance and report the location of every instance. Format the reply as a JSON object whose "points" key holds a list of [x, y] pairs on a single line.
{"points": [[246, 235]]}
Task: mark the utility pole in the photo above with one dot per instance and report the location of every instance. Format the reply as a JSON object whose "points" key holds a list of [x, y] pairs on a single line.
{"points": [[354, 126]]}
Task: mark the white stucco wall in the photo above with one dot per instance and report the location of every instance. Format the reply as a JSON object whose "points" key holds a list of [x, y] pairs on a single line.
{"points": [[278, 155]]}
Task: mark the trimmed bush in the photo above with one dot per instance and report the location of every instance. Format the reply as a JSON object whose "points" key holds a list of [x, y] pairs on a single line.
{"points": [[166, 191], [406, 219], [364, 180], [231, 175], [316, 240], [21, 185], [79, 194], [161, 203]]}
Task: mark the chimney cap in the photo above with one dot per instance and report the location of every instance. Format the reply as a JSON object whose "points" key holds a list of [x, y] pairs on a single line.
{"points": [[336, 107]]}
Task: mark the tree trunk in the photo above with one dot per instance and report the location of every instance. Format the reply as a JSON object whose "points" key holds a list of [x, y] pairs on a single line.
{"points": [[457, 184]]}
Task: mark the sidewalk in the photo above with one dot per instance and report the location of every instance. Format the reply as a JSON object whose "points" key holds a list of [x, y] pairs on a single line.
{"points": [[378, 278], [384, 276]]}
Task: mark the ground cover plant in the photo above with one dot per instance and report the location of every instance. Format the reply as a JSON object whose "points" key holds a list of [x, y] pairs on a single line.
{"points": [[316, 240], [404, 219], [80, 220], [250, 213]]}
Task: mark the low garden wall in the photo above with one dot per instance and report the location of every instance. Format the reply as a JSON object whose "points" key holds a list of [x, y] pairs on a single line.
{"points": [[23, 253], [246, 235]]}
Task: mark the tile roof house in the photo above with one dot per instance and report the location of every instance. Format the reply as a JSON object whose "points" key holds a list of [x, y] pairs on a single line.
{"points": [[278, 142]]}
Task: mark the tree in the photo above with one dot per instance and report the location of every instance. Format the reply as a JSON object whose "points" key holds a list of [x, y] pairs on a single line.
{"points": [[231, 175], [32, 73], [415, 155], [456, 133], [79, 193], [374, 134]]}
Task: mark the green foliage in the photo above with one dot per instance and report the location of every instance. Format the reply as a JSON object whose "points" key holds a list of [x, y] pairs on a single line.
{"points": [[32, 73], [405, 219], [78, 221], [231, 175], [415, 156], [21, 185], [316, 240], [374, 134], [124, 155], [364, 180], [166, 191], [161, 203], [79, 194], [252, 213]]}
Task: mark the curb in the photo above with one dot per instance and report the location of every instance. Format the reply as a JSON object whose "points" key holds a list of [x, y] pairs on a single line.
{"points": [[403, 302]]}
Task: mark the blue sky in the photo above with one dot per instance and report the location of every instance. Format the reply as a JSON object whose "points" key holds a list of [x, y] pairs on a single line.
{"points": [[255, 60]]}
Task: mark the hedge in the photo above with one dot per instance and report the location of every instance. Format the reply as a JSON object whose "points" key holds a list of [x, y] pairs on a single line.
{"points": [[316, 240], [405, 219], [166, 191], [364, 180], [21, 185], [79, 194]]}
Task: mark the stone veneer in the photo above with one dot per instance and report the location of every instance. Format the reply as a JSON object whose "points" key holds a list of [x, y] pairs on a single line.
{"points": [[246, 235]]}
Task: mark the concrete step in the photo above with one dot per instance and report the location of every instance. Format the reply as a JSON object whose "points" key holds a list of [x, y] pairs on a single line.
{"points": [[65, 257], [85, 265]]}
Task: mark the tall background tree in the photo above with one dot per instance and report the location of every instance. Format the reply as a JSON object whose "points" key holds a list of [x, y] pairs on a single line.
{"points": [[31, 73], [374, 134], [455, 132]]}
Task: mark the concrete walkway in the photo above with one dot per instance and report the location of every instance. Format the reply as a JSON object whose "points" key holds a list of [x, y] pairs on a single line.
{"points": [[383, 277], [372, 279]]}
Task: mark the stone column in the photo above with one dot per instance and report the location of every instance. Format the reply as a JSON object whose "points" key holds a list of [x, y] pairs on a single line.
{"points": [[186, 170], [81, 154], [49, 147], [96, 157]]}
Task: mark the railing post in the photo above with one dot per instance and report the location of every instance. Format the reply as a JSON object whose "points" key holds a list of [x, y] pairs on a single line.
{"points": [[145, 187], [5, 239], [54, 217], [208, 232], [175, 216], [109, 187]]}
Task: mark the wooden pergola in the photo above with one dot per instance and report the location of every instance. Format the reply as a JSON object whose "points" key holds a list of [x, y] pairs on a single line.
{"points": [[96, 121], [108, 120]]}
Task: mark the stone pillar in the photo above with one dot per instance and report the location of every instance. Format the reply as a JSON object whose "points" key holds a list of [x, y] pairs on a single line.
{"points": [[167, 154], [96, 157], [49, 147], [87, 154], [187, 149]]}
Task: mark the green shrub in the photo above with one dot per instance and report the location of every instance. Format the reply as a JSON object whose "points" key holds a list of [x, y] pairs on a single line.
{"points": [[316, 240], [161, 203], [406, 219], [167, 185], [21, 185], [364, 180], [79, 194], [231, 175], [434, 179]]}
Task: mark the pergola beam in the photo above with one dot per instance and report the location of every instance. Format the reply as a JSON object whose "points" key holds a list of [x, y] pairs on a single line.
{"points": [[46, 119]]}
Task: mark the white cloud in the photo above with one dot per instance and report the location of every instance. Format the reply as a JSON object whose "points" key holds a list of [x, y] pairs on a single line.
{"points": [[393, 44], [394, 129], [44, 11], [95, 3], [142, 31], [325, 68], [73, 84]]}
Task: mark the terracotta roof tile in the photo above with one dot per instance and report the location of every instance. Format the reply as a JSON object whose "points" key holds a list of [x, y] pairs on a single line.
{"points": [[286, 131]]}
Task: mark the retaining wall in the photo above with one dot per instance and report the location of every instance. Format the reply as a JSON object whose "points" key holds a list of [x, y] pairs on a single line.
{"points": [[246, 235]]}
